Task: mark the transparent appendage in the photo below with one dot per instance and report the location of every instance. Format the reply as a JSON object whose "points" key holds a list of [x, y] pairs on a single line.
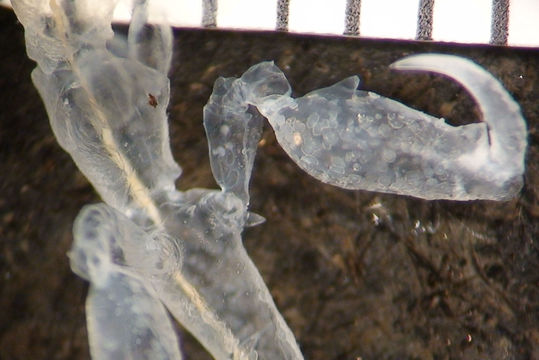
{"points": [[151, 44], [499, 165], [359, 140], [233, 126], [244, 322], [107, 111], [116, 137], [56, 29], [199, 269], [126, 321], [124, 316], [217, 264]]}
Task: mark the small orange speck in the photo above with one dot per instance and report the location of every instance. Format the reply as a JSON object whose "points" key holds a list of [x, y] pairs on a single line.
{"points": [[297, 139], [152, 101]]}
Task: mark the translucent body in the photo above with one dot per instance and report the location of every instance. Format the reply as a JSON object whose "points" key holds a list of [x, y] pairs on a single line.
{"points": [[125, 318], [233, 126], [106, 102], [209, 223], [359, 140], [152, 245], [113, 132]]}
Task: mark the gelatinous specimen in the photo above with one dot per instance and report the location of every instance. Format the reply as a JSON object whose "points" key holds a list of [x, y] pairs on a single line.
{"points": [[97, 107], [125, 318], [95, 89], [152, 244], [233, 126], [359, 140]]}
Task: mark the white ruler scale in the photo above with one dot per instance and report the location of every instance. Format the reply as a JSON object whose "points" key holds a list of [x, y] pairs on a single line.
{"points": [[501, 22]]}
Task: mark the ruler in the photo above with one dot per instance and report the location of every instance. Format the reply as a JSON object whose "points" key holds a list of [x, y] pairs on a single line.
{"points": [[497, 22]]}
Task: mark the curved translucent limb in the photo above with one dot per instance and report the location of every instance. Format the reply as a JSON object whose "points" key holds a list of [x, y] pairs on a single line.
{"points": [[501, 113], [359, 140], [233, 127], [125, 318]]}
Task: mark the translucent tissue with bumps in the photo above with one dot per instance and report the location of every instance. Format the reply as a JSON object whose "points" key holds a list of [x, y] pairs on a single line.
{"points": [[151, 247]]}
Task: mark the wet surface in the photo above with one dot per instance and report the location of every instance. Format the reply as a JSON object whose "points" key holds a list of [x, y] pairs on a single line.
{"points": [[355, 274]]}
